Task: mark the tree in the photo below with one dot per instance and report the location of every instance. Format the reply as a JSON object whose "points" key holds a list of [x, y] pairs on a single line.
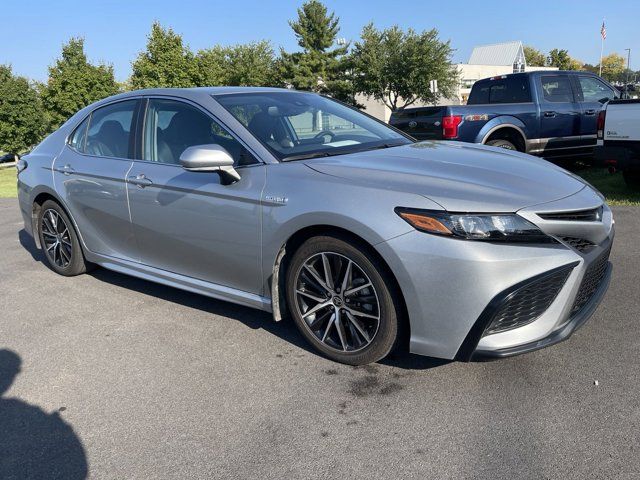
{"points": [[251, 64], [318, 67], [559, 58], [613, 67], [166, 62], [562, 60], [534, 57], [396, 67], [211, 65], [22, 118], [75, 83]]}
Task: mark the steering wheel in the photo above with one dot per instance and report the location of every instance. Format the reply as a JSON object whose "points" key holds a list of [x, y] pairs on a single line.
{"points": [[324, 133]]}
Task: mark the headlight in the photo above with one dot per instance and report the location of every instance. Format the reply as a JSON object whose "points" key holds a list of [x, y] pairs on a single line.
{"points": [[471, 226]]}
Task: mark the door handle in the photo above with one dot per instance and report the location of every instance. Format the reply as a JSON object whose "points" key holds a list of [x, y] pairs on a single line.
{"points": [[67, 169], [140, 180], [589, 112], [549, 114]]}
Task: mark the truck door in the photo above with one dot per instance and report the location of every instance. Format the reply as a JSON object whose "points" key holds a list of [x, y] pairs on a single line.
{"points": [[559, 113], [592, 93]]}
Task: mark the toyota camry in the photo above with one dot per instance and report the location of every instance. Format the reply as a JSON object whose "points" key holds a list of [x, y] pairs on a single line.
{"points": [[296, 204]]}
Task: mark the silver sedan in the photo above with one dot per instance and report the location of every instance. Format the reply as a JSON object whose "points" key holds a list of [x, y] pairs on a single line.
{"points": [[296, 204]]}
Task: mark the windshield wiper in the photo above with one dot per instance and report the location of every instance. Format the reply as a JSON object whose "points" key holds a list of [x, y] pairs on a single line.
{"points": [[384, 145], [307, 156]]}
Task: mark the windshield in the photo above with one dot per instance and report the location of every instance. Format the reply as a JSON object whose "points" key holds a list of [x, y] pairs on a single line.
{"points": [[297, 125]]}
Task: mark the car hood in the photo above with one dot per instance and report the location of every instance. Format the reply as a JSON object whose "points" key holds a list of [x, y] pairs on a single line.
{"points": [[460, 177]]}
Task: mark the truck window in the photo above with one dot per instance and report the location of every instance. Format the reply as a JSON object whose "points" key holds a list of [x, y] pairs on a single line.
{"points": [[557, 88], [504, 90], [593, 90]]}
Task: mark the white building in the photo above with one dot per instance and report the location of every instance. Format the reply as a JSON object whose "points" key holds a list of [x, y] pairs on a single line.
{"points": [[485, 61]]}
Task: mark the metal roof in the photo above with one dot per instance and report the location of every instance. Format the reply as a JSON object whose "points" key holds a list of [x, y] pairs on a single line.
{"points": [[498, 54]]}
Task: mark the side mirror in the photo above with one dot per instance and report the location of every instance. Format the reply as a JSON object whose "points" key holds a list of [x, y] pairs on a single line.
{"points": [[209, 158]]}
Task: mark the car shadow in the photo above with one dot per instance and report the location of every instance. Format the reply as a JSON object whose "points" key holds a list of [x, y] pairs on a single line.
{"points": [[29, 245], [34, 443], [252, 318]]}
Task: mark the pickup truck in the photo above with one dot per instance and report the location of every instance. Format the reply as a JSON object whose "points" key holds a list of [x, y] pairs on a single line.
{"points": [[619, 139], [547, 113]]}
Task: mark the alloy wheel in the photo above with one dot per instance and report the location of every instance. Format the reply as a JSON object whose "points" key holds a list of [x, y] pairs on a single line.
{"points": [[337, 302], [56, 238]]}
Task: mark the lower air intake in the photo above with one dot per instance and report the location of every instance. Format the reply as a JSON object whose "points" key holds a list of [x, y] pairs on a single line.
{"points": [[591, 281], [529, 302]]}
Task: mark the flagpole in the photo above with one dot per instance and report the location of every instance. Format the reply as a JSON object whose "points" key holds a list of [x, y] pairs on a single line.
{"points": [[601, 51], [601, 48]]}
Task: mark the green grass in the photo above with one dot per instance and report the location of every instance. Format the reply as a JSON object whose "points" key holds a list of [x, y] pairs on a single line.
{"points": [[8, 182], [612, 186]]}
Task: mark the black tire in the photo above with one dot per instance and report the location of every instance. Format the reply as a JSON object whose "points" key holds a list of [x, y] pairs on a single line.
{"points": [[66, 258], [632, 177], [386, 336], [500, 143]]}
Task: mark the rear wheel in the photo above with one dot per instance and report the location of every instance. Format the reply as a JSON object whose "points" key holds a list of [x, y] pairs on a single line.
{"points": [[500, 143], [340, 301], [59, 241]]}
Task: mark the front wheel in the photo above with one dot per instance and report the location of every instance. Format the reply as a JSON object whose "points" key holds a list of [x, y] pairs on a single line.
{"points": [[341, 302]]}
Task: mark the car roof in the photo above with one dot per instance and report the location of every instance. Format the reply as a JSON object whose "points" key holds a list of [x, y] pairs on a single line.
{"points": [[537, 72], [199, 90], [188, 93]]}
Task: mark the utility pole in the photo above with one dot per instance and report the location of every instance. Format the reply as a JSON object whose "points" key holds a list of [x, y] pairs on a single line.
{"points": [[626, 83]]}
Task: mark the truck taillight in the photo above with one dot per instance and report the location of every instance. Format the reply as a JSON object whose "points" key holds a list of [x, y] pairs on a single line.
{"points": [[450, 126], [601, 117]]}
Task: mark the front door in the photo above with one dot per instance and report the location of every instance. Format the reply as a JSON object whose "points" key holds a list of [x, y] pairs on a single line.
{"points": [[90, 173], [559, 113], [194, 223], [592, 94]]}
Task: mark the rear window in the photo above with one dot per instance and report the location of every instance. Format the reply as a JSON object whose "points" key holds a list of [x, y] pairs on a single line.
{"points": [[556, 88], [501, 90]]}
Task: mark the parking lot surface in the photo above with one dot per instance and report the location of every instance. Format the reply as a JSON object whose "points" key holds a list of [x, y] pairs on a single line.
{"points": [[122, 378]]}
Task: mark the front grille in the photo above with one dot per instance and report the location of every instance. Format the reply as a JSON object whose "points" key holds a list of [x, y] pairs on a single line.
{"points": [[591, 281], [580, 244], [591, 215], [528, 302]]}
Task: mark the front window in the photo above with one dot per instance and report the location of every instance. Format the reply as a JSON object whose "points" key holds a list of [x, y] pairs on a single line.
{"points": [[296, 125], [170, 127], [593, 90]]}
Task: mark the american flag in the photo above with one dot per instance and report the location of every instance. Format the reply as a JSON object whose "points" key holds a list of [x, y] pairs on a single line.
{"points": [[603, 32]]}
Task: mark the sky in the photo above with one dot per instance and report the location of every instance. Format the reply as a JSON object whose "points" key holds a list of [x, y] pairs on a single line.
{"points": [[115, 30]]}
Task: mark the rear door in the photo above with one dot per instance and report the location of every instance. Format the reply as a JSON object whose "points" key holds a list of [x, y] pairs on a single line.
{"points": [[90, 175], [592, 94], [559, 113], [193, 223], [421, 123]]}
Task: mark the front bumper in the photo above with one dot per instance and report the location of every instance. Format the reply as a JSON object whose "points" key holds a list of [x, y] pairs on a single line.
{"points": [[449, 286]]}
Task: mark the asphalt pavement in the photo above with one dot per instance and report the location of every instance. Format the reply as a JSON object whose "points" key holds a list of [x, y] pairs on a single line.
{"points": [[113, 377]]}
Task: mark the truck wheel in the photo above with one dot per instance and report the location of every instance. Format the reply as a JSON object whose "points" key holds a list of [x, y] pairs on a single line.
{"points": [[632, 177], [506, 144]]}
